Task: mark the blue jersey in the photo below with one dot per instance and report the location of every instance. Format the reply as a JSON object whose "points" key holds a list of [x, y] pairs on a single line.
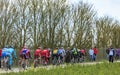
{"points": [[6, 54], [10, 50], [24, 51], [5, 50], [60, 51]]}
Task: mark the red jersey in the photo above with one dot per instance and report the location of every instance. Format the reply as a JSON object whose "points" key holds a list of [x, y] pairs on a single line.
{"points": [[82, 51], [0, 52], [95, 50], [21, 51], [38, 52], [45, 53]]}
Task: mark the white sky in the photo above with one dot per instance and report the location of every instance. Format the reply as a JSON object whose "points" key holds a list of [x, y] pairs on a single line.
{"points": [[105, 7]]}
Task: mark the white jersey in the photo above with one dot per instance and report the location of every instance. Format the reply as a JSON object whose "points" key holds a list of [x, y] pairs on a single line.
{"points": [[63, 53], [91, 52], [111, 52]]}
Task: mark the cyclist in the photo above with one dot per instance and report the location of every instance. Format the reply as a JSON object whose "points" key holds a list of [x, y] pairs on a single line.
{"points": [[95, 53], [75, 54], [25, 55], [55, 55], [68, 55], [37, 53], [10, 50], [82, 51], [111, 54], [45, 54], [61, 54], [49, 59], [117, 54], [91, 54]]}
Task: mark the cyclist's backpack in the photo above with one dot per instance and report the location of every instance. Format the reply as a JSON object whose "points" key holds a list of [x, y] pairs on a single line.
{"points": [[55, 51]]}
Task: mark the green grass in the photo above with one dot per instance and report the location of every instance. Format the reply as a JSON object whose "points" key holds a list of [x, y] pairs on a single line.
{"points": [[98, 69]]}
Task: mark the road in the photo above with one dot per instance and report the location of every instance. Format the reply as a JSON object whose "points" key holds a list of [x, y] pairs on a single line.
{"points": [[49, 67]]}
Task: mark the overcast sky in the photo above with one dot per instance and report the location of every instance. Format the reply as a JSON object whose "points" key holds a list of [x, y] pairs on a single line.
{"points": [[105, 7]]}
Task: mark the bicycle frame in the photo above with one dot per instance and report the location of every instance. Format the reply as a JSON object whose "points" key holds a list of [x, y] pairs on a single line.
{"points": [[5, 63]]}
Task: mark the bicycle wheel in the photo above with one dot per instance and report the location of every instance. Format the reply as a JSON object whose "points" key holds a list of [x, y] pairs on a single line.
{"points": [[54, 61], [35, 63], [24, 65], [59, 61], [6, 64], [20, 64], [72, 60]]}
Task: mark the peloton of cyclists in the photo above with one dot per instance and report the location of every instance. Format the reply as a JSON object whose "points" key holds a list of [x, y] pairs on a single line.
{"points": [[44, 54]]}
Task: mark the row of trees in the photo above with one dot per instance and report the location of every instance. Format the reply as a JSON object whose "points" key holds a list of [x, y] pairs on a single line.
{"points": [[54, 23]]}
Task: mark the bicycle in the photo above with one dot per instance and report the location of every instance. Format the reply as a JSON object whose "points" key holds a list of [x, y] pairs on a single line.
{"points": [[43, 61], [54, 62], [60, 60], [81, 58], [5, 63], [37, 62], [74, 59], [22, 64]]}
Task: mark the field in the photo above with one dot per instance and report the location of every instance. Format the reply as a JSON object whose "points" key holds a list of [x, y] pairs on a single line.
{"points": [[76, 69]]}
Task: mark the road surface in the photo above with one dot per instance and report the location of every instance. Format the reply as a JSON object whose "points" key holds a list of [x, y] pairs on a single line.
{"points": [[48, 67]]}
